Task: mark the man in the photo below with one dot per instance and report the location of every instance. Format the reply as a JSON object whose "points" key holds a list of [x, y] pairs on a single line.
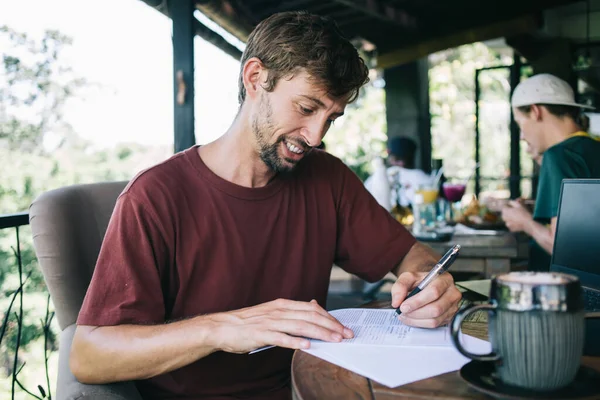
{"points": [[553, 126], [228, 247], [402, 152]]}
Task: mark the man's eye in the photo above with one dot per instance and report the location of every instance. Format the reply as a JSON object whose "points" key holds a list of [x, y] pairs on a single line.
{"points": [[306, 111]]}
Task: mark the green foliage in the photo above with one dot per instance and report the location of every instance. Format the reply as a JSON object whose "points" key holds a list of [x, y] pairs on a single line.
{"points": [[36, 86], [452, 107], [124, 153], [360, 135]]}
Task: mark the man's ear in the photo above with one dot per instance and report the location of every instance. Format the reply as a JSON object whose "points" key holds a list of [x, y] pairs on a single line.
{"points": [[252, 75], [536, 112]]}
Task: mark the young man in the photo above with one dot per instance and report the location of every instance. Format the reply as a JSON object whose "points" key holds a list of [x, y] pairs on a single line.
{"points": [[228, 247], [554, 128]]}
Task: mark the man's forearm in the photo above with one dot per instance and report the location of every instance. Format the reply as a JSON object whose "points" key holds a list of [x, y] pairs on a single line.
{"points": [[125, 352], [420, 258], [541, 234]]}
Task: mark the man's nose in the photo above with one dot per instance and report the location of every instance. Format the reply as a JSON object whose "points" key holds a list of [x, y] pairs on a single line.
{"points": [[313, 133]]}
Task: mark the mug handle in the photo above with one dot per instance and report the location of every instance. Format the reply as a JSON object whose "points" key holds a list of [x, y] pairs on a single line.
{"points": [[455, 330]]}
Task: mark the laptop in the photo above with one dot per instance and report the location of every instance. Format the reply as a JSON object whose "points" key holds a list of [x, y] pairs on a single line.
{"points": [[577, 241]]}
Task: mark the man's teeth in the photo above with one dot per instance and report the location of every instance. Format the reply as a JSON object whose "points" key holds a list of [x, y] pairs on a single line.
{"points": [[294, 149]]}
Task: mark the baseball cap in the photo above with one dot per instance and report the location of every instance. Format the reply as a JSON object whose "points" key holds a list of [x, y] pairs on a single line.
{"points": [[544, 89]]}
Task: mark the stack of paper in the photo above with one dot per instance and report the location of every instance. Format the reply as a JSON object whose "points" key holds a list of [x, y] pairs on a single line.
{"points": [[391, 353]]}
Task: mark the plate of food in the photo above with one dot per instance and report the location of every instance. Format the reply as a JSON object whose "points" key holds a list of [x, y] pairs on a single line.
{"points": [[479, 216]]}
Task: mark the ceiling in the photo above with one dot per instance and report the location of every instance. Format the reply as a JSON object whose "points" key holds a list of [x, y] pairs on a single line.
{"points": [[397, 31], [400, 30]]}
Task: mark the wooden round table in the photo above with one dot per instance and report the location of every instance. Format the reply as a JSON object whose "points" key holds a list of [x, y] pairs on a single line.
{"points": [[313, 378]]}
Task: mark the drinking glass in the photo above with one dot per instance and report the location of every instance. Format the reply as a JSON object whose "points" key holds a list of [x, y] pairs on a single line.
{"points": [[454, 192], [424, 208]]}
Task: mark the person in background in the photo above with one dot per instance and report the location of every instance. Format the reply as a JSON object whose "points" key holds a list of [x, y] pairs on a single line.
{"points": [[401, 171], [554, 128]]}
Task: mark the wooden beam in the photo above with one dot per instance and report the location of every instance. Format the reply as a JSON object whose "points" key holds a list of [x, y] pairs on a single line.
{"points": [[225, 15], [184, 25], [546, 55], [217, 40], [383, 12], [513, 26]]}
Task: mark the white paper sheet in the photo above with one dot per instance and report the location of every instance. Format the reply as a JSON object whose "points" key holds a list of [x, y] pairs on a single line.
{"points": [[378, 327], [390, 358], [481, 286]]}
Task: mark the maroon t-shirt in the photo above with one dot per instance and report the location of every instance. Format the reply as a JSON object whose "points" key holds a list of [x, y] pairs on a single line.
{"points": [[183, 241]]}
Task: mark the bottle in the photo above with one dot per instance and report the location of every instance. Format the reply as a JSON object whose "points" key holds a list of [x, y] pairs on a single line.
{"points": [[441, 207], [436, 165], [380, 185], [417, 227], [401, 213]]}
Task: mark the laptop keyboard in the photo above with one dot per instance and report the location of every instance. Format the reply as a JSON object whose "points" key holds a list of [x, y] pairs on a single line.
{"points": [[591, 300]]}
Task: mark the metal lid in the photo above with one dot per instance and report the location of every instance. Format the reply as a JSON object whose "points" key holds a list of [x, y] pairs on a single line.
{"points": [[545, 291]]}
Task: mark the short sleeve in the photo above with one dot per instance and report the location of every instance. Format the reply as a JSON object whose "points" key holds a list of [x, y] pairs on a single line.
{"points": [[370, 241], [126, 284], [558, 164]]}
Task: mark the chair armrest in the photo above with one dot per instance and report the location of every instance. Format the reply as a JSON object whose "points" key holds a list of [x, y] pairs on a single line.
{"points": [[69, 388]]}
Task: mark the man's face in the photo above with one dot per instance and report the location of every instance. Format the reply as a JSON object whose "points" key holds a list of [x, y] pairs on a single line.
{"points": [[395, 161], [292, 119], [534, 155], [531, 130]]}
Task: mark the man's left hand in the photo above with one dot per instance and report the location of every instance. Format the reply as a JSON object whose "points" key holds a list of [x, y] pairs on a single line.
{"points": [[432, 307], [516, 216]]}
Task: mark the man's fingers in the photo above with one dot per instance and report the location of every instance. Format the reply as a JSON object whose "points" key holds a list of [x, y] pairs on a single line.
{"points": [[437, 308], [316, 318], [514, 203], [431, 322], [284, 304], [314, 313], [282, 340], [304, 329], [405, 282], [431, 293]]}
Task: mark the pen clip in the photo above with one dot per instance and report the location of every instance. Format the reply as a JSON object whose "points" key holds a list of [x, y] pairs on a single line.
{"points": [[449, 258]]}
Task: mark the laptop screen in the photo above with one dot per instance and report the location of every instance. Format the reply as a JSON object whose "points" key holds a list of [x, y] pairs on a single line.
{"points": [[577, 241]]}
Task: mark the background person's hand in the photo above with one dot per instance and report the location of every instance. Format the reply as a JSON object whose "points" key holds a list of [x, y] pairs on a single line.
{"points": [[516, 216], [432, 307], [283, 323]]}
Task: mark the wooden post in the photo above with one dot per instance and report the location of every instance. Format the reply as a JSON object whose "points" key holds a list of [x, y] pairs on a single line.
{"points": [[184, 25], [407, 107], [515, 134]]}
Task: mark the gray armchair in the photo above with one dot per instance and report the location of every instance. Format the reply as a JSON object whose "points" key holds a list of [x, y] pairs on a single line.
{"points": [[68, 227]]}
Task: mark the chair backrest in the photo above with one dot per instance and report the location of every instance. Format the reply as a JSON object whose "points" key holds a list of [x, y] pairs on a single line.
{"points": [[68, 226]]}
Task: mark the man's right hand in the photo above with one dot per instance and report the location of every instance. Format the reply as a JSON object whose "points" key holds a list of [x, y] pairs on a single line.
{"points": [[282, 323]]}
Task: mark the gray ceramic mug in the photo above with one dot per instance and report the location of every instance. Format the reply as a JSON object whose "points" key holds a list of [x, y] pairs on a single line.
{"points": [[536, 328]]}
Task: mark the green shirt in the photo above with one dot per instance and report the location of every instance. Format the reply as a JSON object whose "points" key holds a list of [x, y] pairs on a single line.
{"points": [[576, 157]]}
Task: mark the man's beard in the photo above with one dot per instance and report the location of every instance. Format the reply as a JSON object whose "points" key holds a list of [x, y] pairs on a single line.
{"points": [[263, 128]]}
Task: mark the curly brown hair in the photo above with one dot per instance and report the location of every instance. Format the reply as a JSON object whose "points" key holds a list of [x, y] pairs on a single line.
{"points": [[290, 41]]}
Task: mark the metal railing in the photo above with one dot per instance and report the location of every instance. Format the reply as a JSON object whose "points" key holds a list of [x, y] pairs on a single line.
{"points": [[12, 338]]}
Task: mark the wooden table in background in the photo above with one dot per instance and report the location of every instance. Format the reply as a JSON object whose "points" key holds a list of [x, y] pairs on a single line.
{"points": [[313, 378], [488, 255]]}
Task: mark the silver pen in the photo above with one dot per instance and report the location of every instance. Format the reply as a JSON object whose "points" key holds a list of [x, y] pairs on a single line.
{"points": [[439, 268]]}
